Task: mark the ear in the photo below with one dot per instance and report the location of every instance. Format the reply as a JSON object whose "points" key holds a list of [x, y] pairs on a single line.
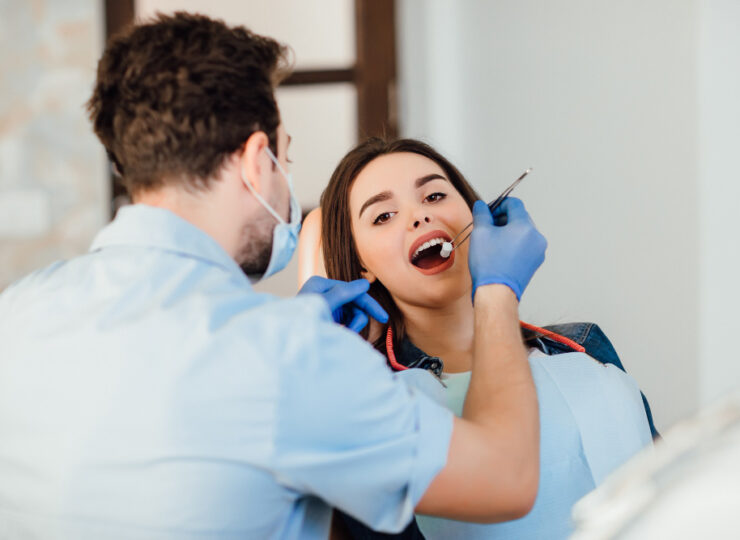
{"points": [[368, 275], [254, 162]]}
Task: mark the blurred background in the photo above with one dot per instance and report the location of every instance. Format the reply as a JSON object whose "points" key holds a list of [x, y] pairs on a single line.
{"points": [[628, 111]]}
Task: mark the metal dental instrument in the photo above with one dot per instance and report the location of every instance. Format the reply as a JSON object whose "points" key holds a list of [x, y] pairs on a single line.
{"points": [[448, 247]]}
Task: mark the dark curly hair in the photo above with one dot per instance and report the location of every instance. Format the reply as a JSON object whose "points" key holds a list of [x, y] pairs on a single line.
{"points": [[175, 96]]}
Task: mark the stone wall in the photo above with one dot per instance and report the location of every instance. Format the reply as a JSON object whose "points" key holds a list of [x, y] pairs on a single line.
{"points": [[54, 186]]}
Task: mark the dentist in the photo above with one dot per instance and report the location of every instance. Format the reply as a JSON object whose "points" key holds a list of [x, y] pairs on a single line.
{"points": [[147, 391]]}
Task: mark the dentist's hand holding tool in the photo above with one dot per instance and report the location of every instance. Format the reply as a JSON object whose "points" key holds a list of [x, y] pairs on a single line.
{"points": [[349, 302], [509, 254]]}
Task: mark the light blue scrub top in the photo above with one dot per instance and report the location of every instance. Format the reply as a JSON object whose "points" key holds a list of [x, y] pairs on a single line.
{"points": [[592, 420], [146, 391]]}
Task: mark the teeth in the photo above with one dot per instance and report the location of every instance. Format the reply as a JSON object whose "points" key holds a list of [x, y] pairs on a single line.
{"points": [[427, 245]]}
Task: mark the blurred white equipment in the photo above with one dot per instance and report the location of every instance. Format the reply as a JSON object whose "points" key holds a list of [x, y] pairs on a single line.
{"points": [[686, 487]]}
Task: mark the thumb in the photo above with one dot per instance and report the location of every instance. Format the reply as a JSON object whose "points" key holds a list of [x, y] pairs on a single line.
{"points": [[359, 320], [514, 210], [481, 214]]}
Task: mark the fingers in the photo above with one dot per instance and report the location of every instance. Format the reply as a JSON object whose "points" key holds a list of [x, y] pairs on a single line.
{"points": [[342, 293], [310, 285], [481, 214], [317, 284], [347, 299], [359, 320], [369, 305]]}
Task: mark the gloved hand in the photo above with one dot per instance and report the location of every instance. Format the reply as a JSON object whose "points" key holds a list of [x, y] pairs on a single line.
{"points": [[509, 253], [349, 302]]}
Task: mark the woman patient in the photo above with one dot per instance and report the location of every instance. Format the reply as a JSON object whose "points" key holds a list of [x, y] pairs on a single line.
{"points": [[387, 209]]}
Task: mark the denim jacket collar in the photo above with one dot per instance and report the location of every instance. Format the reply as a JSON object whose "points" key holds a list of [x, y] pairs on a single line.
{"points": [[410, 356]]}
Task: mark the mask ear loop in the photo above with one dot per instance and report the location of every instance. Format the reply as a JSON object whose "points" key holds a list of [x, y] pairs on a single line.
{"points": [[259, 197], [288, 177]]}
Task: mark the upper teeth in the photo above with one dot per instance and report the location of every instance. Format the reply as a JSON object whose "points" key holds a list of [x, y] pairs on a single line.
{"points": [[427, 245]]}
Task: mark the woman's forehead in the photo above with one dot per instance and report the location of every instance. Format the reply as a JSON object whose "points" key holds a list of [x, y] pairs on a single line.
{"points": [[399, 170]]}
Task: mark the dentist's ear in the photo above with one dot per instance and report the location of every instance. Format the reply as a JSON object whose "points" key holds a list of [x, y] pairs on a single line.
{"points": [[254, 162]]}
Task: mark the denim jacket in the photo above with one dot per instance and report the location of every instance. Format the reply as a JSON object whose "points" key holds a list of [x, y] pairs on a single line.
{"points": [[588, 336]]}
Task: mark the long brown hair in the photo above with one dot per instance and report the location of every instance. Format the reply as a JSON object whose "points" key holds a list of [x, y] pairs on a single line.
{"points": [[340, 252]]}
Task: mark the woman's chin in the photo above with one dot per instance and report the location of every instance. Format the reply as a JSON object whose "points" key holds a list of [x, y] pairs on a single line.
{"points": [[440, 296], [449, 297]]}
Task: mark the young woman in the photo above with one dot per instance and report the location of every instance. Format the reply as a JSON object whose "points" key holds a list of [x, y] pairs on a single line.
{"points": [[391, 205]]}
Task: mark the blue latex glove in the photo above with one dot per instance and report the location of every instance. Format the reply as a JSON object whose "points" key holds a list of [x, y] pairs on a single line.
{"points": [[349, 302], [508, 252]]}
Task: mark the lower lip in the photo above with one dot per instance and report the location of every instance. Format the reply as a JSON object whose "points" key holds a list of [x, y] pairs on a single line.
{"points": [[437, 269]]}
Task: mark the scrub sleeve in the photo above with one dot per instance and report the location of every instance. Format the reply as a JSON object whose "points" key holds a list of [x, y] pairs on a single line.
{"points": [[350, 432]]}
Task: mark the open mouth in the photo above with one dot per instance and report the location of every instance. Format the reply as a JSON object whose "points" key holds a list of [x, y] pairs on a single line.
{"points": [[427, 253]]}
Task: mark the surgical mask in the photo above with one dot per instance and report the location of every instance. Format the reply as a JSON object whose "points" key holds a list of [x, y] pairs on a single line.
{"points": [[284, 235]]}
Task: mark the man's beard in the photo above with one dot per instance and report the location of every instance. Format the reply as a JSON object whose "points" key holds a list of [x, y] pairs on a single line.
{"points": [[254, 256]]}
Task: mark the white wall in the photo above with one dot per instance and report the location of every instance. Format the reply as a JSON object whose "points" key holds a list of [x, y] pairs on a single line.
{"points": [[54, 179], [320, 38], [602, 99], [719, 178]]}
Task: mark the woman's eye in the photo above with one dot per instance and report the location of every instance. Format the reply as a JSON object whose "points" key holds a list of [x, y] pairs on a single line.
{"points": [[434, 197], [382, 218]]}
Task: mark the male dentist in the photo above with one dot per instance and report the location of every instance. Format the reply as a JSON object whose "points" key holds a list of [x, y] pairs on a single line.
{"points": [[147, 391]]}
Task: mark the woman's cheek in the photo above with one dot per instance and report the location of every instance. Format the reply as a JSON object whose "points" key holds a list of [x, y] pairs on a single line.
{"points": [[372, 251], [384, 253]]}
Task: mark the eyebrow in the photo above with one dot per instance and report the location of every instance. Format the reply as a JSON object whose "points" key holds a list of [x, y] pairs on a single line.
{"points": [[382, 196], [386, 195], [428, 178]]}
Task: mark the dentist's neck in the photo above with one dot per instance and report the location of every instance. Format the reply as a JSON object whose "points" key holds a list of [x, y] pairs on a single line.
{"points": [[444, 332], [219, 210]]}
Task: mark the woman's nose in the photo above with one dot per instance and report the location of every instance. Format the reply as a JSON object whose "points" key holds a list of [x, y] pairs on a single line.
{"points": [[420, 220]]}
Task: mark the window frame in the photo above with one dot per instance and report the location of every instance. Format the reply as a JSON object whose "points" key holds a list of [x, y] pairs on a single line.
{"points": [[373, 75]]}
